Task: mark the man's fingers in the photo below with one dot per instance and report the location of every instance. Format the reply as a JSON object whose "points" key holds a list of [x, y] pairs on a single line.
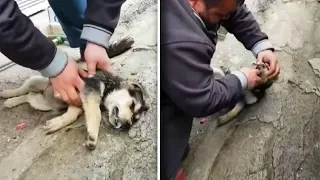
{"points": [[79, 84], [273, 67], [91, 69], [104, 66], [83, 73], [73, 96], [64, 96], [107, 67], [276, 73], [257, 71], [259, 59], [259, 81]]}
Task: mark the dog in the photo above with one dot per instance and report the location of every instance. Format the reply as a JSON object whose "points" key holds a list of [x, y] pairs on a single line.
{"points": [[249, 97], [116, 101]]}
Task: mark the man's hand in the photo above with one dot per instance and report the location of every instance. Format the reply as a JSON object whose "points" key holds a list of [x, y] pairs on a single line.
{"points": [[96, 57], [271, 60], [252, 75], [64, 85]]}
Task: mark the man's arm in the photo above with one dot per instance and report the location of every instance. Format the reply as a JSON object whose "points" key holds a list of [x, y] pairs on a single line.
{"points": [[187, 78], [25, 45], [101, 18], [246, 29]]}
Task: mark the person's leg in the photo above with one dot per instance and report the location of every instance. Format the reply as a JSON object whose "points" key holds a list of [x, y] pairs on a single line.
{"points": [[175, 131], [71, 17]]}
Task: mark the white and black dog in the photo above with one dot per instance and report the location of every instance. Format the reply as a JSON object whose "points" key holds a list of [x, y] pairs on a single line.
{"points": [[117, 101], [249, 96]]}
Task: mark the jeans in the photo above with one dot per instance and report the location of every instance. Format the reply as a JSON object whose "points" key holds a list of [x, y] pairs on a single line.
{"points": [[70, 14]]}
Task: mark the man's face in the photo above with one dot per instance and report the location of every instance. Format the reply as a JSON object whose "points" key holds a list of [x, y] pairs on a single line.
{"points": [[211, 15]]}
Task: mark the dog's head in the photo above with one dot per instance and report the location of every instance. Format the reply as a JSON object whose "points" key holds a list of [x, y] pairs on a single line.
{"points": [[126, 105], [259, 90]]}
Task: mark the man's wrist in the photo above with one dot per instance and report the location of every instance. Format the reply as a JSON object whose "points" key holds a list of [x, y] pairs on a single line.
{"points": [[96, 35], [242, 78], [57, 65], [261, 46]]}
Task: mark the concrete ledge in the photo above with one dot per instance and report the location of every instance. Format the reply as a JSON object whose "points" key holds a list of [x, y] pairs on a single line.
{"points": [[208, 150]]}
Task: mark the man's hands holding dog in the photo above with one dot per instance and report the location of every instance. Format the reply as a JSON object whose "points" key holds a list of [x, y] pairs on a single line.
{"points": [[66, 83], [96, 57], [269, 58], [252, 76]]}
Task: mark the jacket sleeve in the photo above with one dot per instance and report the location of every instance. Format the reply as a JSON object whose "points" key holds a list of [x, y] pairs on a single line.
{"points": [[246, 29], [187, 78], [101, 18], [25, 45]]}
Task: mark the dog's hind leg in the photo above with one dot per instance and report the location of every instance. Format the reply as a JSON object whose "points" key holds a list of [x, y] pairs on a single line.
{"points": [[37, 101], [249, 97], [62, 121], [231, 114], [15, 101], [33, 84], [217, 72], [91, 106]]}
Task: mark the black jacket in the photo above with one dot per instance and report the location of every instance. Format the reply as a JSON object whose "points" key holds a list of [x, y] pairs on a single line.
{"points": [[25, 45], [187, 86]]}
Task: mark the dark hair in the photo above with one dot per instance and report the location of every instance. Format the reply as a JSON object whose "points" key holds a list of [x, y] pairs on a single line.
{"points": [[211, 3]]}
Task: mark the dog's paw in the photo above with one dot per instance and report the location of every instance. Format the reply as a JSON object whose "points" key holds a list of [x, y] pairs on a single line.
{"points": [[53, 125], [224, 119], [5, 94], [91, 142], [10, 103], [250, 98]]}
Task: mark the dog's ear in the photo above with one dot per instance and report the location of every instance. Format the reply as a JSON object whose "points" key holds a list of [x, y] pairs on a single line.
{"points": [[136, 88], [145, 108]]}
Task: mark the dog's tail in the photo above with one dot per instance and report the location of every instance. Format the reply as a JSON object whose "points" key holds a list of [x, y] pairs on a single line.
{"points": [[218, 73]]}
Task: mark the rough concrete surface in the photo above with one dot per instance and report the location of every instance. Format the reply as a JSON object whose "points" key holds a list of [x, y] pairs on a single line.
{"points": [[31, 155], [278, 138]]}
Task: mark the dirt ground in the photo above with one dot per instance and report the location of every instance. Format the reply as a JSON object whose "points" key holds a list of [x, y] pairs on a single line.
{"points": [[278, 138], [31, 155]]}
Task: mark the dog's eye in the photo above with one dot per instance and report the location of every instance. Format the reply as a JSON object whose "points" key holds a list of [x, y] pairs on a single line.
{"points": [[134, 118], [116, 111], [132, 105]]}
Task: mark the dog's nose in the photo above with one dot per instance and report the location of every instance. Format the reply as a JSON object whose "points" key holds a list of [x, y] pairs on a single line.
{"points": [[125, 126]]}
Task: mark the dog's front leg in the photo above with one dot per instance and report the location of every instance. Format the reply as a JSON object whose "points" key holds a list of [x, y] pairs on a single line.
{"points": [[91, 106], [64, 120]]}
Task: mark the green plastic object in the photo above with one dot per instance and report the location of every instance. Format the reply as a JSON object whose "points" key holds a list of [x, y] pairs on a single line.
{"points": [[57, 39]]}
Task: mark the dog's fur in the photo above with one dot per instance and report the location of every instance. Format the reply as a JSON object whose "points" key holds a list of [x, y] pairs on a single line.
{"points": [[249, 96], [116, 101]]}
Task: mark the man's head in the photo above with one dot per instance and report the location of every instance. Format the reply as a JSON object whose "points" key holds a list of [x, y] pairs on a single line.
{"points": [[212, 11]]}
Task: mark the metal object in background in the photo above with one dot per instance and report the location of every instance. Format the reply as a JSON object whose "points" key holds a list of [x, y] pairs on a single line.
{"points": [[222, 32], [52, 16], [30, 7]]}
